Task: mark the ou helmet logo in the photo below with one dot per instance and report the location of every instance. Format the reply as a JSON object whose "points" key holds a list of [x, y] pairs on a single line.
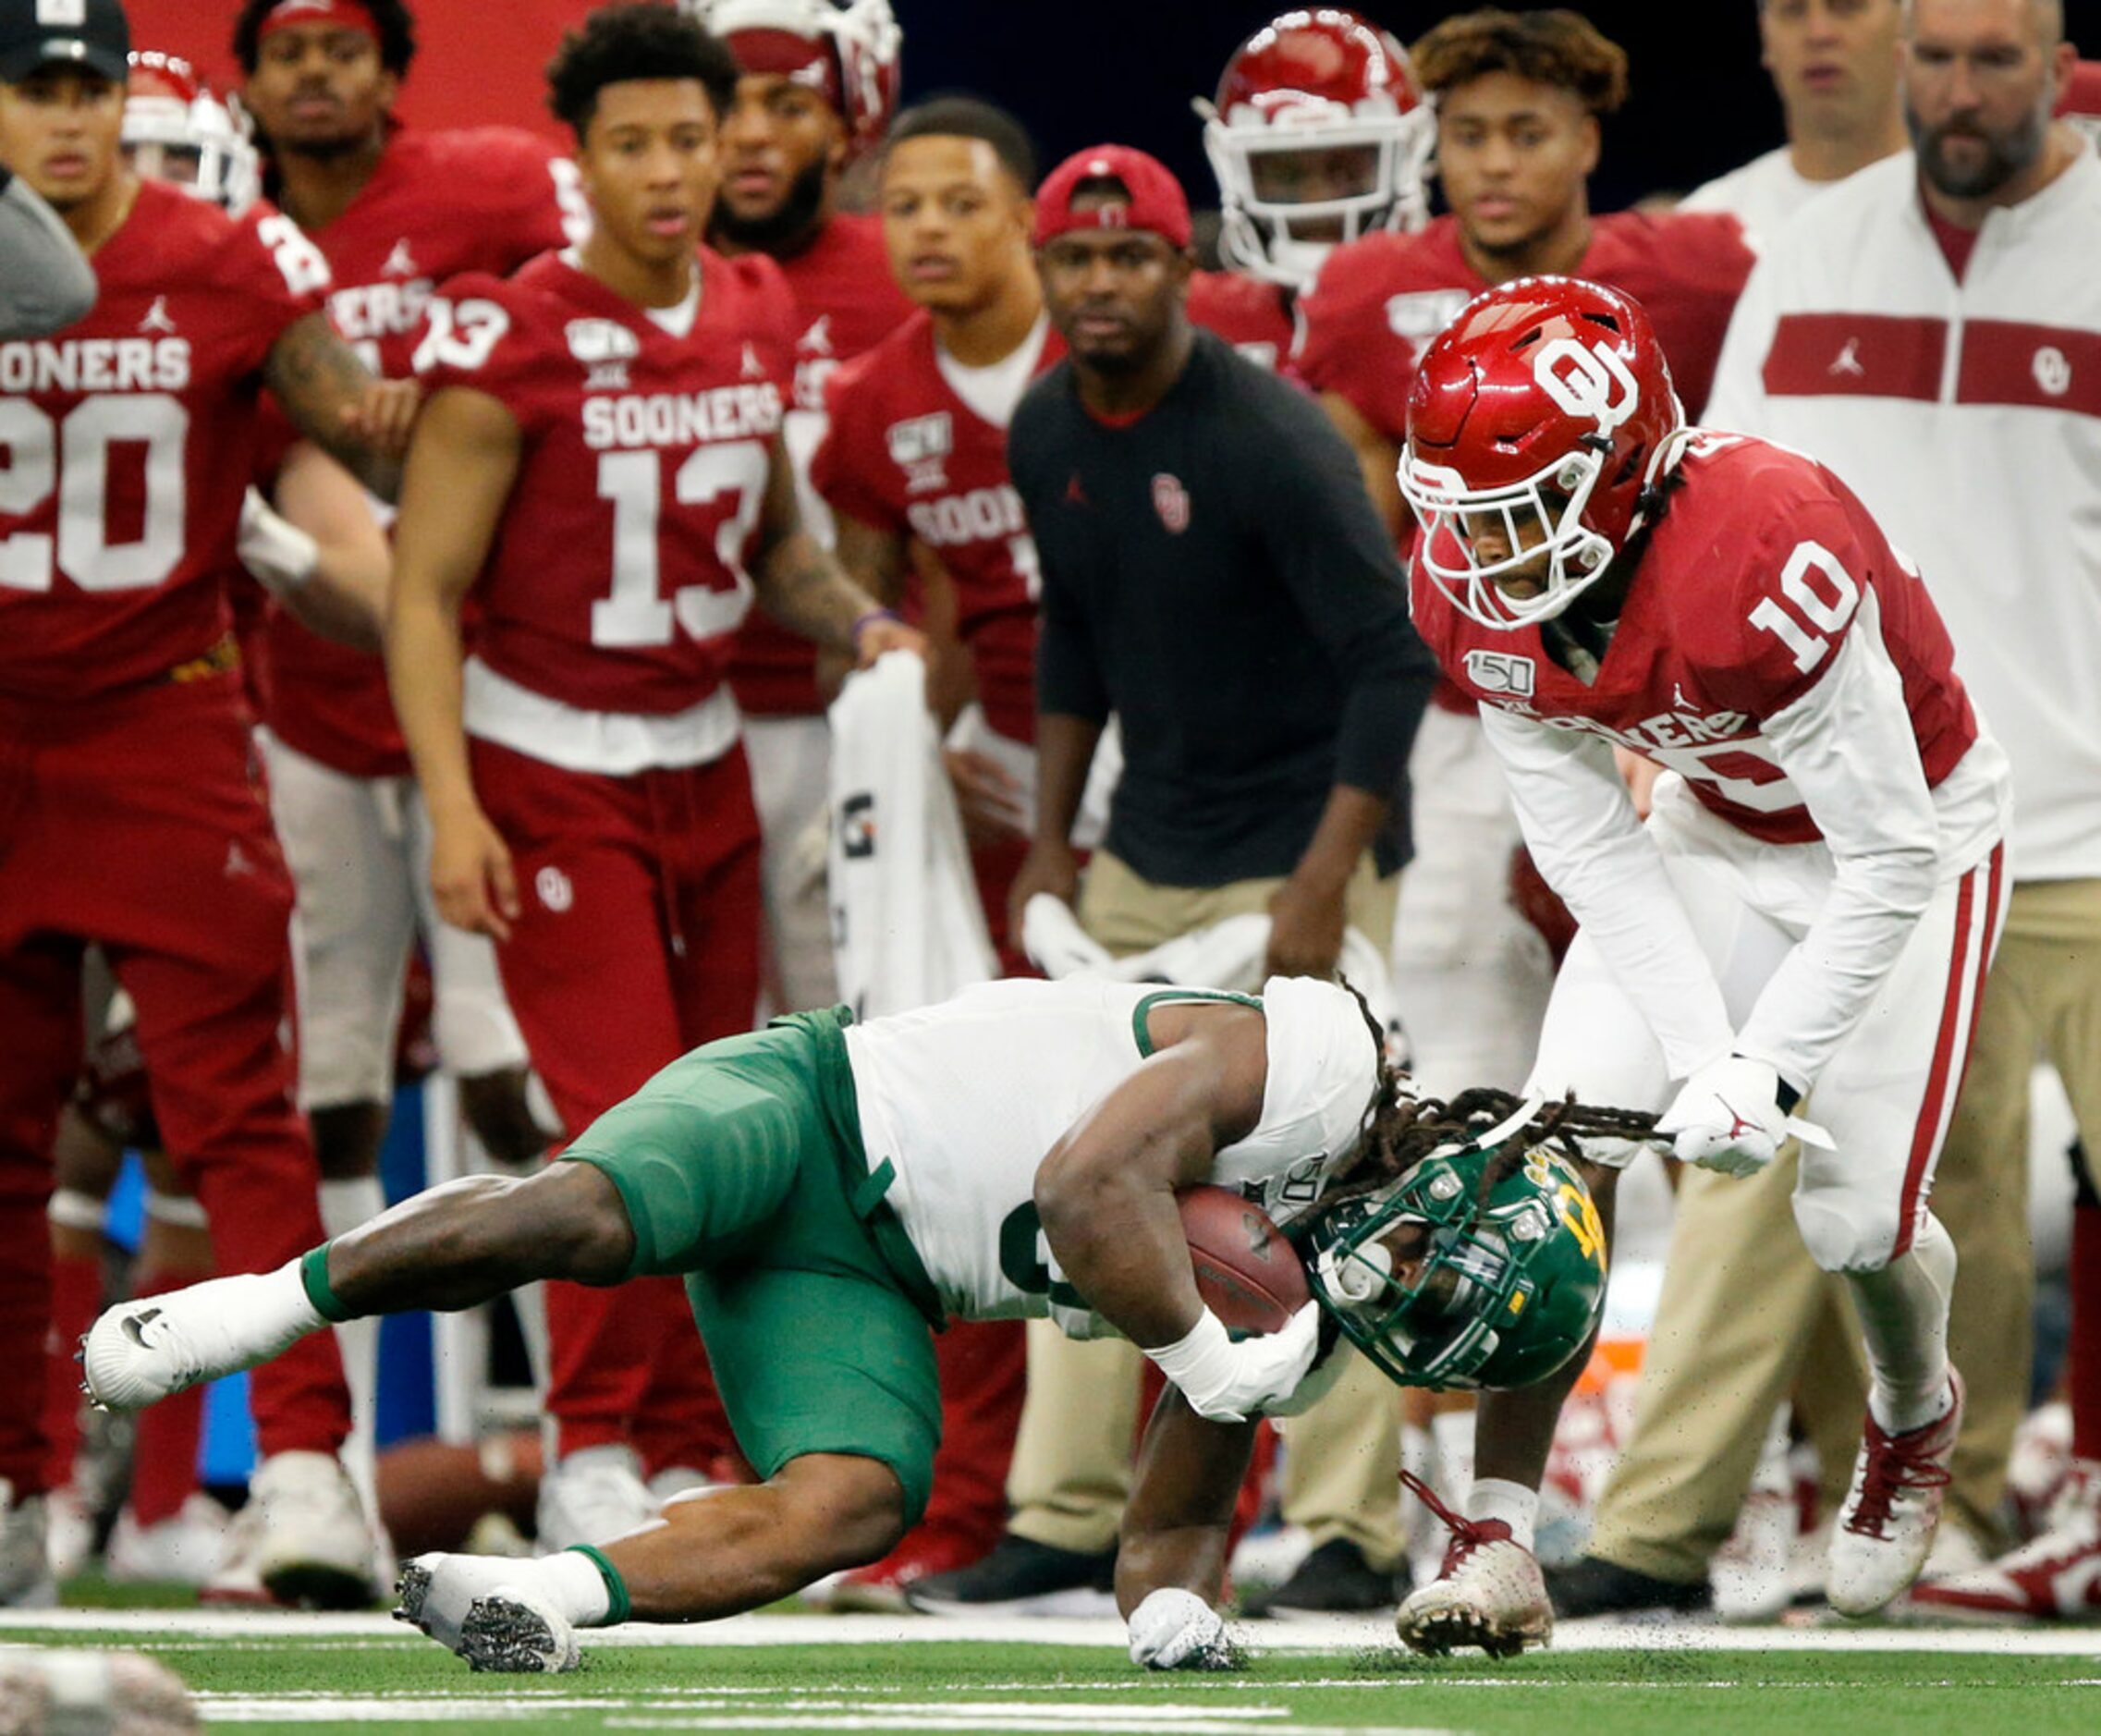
{"points": [[1580, 378]]}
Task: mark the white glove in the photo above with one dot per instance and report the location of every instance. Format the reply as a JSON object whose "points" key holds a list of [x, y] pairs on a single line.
{"points": [[1229, 1382], [1176, 1629], [1727, 1117], [280, 554]]}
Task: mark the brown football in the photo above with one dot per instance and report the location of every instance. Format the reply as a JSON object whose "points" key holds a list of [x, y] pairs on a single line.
{"points": [[1246, 1271]]}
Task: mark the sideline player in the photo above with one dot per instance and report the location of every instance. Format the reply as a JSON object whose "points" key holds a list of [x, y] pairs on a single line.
{"points": [[131, 438], [818, 84], [395, 211], [831, 1190], [1807, 916], [590, 809]]}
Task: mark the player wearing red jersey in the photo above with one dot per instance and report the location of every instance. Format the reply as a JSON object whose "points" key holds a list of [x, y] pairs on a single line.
{"points": [[913, 467], [817, 85], [620, 402], [1807, 916], [1318, 136], [396, 213], [129, 439]]}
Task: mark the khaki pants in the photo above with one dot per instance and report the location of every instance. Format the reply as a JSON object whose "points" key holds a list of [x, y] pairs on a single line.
{"points": [[1072, 1470], [1741, 1299]]}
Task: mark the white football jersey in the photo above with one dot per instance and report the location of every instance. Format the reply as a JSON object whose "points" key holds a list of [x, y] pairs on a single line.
{"points": [[966, 1098]]}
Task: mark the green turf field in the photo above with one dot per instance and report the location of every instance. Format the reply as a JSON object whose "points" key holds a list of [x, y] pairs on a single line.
{"points": [[272, 1675]]}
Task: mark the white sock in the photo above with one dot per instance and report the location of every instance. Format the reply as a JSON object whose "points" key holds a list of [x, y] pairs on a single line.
{"points": [[571, 1581], [346, 1204], [1516, 1506], [1452, 1431], [1903, 1311], [270, 1309]]}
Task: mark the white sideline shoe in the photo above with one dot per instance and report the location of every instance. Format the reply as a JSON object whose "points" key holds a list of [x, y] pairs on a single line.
{"points": [[183, 1549], [25, 1556], [1885, 1527], [593, 1496], [140, 1351], [1489, 1591], [301, 1541]]}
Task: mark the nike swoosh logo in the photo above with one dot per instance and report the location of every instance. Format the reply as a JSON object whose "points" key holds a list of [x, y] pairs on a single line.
{"points": [[135, 1324]]}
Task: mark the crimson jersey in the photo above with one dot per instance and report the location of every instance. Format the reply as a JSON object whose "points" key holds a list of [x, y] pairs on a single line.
{"points": [[129, 439], [484, 199], [846, 301], [1379, 301], [1251, 315], [905, 454], [1755, 577], [617, 575]]}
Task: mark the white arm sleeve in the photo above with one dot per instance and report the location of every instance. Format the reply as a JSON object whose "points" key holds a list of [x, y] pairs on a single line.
{"points": [[1736, 404], [1588, 842], [46, 280], [1848, 747]]}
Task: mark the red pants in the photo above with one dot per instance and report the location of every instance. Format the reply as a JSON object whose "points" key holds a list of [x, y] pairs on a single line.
{"points": [[639, 940], [137, 820]]}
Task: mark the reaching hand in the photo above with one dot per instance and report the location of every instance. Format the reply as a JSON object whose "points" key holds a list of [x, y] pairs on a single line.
{"points": [[471, 877], [1727, 1117], [988, 797], [1306, 930], [385, 416], [1228, 1381], [1176, 1629]]}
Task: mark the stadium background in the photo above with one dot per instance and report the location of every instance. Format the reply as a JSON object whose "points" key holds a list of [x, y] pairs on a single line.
{"points": [[1082, 71]]}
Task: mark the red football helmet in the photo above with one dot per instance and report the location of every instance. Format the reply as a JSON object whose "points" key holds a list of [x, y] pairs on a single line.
{"points": [[862, 35], [176, 131], [1319, 135], [1539, 423]]}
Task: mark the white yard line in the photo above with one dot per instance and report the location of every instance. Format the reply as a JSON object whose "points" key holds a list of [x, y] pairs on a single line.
{"points": [[244, 1628]]}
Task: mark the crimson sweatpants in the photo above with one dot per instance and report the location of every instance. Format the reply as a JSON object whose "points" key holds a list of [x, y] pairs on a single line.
{"points": [[637, 940], [137, 820]]}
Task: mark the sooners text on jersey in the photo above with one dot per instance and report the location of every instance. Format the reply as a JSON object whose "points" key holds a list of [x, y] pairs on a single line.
{"points": [[1755, 577], [129, 440], [617, 576], [481, 199], [907, 456]]}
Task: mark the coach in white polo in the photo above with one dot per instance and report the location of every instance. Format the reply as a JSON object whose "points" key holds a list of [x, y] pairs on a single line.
{"points": [[1931, 329]]}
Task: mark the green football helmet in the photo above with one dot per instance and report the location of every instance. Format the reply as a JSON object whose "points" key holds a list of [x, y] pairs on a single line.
{"points": [[1498, 1295]]}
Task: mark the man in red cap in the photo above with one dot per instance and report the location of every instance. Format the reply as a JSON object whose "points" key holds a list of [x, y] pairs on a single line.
{"points": [[1213, 573]]}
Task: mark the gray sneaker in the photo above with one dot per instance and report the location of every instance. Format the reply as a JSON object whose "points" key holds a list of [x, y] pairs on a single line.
{"points": [[25, 1557]]}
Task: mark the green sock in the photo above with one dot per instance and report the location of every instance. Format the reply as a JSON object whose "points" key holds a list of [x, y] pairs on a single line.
{"points": [[313, 1274], [615, 1587]]}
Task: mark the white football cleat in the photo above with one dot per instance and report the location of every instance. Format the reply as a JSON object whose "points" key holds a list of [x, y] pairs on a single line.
{"points": [[1885, 1527], [139, 1352], [1488, 1593], [437, 1592], [67, 1690], [518, 1631]]}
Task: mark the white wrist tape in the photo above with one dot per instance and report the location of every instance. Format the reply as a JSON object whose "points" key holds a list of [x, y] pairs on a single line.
{"points": [[1201, 1362], [280, 554]]}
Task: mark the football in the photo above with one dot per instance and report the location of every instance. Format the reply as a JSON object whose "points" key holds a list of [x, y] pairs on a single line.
{"points": [[1247, 1273]]}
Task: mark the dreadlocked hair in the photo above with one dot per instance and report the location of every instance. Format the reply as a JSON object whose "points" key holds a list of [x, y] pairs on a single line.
{"points": [[1400, 1129]]}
